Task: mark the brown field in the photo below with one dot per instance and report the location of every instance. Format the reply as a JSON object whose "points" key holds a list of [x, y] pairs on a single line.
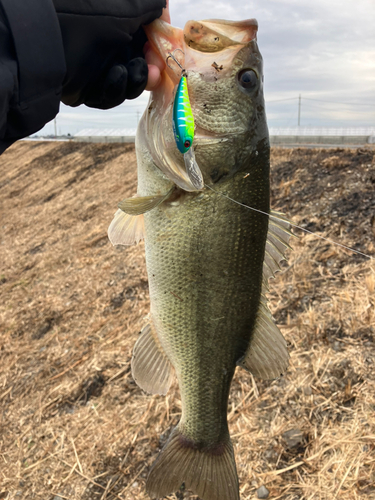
{"points": [[74, 425]]}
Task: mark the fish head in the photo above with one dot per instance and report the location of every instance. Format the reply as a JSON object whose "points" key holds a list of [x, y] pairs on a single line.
{"points": [[224, 71]]}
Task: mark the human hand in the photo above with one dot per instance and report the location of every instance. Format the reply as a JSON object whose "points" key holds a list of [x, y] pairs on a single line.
{"points": [[154, 61], [103, 45]]}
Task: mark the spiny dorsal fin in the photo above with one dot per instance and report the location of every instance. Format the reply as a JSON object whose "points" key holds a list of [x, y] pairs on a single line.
{"points": [[151, 369], [142, 204], [126, 229], [267, 355]]}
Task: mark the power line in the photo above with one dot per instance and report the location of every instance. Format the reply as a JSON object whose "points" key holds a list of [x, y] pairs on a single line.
{"points": [[345, 103], [350, 110], [321, 100], [280, 100], [319, 106]]}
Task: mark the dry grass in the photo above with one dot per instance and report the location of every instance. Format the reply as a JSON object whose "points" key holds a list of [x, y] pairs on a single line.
{"points": [[73, 423]]}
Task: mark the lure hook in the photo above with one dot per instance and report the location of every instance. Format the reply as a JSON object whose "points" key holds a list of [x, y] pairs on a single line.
{"points": [[174, 58]]}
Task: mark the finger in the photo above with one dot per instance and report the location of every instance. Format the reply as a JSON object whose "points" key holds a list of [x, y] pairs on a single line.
{"points": [[166, 15], [109, 90], [154, 77], [152, 57], [155, 63], [155, 66], [137, 77]]}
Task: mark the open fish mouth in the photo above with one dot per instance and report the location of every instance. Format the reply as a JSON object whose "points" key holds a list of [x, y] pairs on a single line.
{"points": [[196, 44]]}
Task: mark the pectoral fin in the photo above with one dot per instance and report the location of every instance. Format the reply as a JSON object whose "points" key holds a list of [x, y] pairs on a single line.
{"points": [[142, 204]]}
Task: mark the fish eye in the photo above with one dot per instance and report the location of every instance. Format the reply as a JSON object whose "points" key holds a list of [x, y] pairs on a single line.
{"points": [[187, 144], [247, 80]]}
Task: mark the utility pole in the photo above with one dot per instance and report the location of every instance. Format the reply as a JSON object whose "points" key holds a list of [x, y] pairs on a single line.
{"points": [[299, 110], [54, 121], [137, 117]]}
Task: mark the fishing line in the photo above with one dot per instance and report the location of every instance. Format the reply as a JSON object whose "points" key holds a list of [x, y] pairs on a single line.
{"points": [[291, 223]]}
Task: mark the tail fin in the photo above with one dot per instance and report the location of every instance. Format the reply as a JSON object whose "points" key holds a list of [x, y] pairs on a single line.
{"points": [[208, 472]]}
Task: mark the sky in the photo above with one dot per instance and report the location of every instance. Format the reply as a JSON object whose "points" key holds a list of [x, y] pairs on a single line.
{"points": [[322, 50]]}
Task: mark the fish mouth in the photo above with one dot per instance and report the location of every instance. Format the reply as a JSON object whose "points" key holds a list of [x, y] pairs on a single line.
{"points": [[201, 45], [214, 35]]}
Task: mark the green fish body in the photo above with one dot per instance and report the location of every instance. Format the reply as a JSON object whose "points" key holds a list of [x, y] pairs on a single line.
{"points": [[208, 258]]}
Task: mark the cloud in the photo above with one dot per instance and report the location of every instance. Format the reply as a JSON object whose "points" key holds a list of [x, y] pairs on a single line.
{"points": [[319, 49]]}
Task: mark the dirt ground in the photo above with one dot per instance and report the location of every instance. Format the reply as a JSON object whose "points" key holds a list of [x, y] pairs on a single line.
{"points": [[74, 425]]}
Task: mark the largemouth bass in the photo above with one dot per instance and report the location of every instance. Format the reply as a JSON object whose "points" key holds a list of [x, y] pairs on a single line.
{"points": [[208, 258]]}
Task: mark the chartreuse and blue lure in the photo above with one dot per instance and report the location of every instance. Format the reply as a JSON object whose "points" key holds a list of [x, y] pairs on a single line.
{"points": [[183, 127], [183, 120]]}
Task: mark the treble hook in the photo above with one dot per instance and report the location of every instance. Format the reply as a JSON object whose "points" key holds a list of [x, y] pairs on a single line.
{"points": [[173, 57]]}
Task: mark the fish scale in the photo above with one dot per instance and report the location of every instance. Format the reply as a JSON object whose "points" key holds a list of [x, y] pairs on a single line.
{"points": [[205, 285]]}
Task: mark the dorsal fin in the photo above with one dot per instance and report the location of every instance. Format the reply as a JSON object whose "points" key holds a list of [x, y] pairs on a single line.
{"points": [[267, 355]]}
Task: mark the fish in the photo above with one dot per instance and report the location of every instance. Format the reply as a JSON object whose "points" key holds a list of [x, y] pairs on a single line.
{"points": [[208, 257]]}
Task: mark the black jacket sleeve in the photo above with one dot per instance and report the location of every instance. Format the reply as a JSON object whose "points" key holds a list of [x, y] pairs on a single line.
{"points": [[80, 51], [32, 67]]}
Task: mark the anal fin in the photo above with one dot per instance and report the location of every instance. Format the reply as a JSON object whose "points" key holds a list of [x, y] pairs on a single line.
{"points": [[151, 369]]}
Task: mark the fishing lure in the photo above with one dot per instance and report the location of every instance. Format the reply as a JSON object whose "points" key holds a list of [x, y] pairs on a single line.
{"points": [[183, 120], [183, 126]]}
